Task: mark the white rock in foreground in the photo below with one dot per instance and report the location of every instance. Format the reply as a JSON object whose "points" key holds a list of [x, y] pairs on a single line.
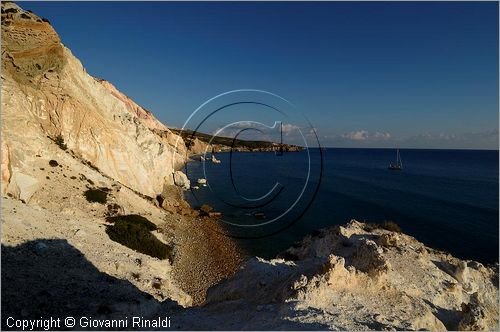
{"points": [[22, 186], [348, 278]]}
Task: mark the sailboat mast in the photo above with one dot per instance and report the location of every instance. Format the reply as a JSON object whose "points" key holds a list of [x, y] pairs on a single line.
{"points": [[281, 132]]}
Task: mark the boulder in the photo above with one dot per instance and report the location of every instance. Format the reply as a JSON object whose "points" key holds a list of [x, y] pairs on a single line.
{"points": [[473, 315], [215, 214], [215, 160], [22, 186], [206, 209], [181, 180], [389, 240]]}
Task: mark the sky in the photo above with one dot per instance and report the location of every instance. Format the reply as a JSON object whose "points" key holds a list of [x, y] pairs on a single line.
{"points": [[385, 74]]}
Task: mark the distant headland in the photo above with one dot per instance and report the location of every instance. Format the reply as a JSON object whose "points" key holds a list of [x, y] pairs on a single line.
{"points": [[225, 144]]}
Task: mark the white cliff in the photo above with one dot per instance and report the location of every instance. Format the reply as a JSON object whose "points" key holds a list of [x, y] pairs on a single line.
{"points": [[47, 93]]}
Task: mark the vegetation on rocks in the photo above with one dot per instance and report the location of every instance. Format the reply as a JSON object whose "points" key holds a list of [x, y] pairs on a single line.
{"points": [[134, 232], [388, 225], [59, 140], [96, 195]]}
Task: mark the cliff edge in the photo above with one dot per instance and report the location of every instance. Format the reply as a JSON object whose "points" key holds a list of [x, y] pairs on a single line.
{"points": [[354, 277]]}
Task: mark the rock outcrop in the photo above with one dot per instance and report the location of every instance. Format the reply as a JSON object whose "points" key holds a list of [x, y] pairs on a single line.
{"points": [[181, 180], [357, 278], [5, 165], [48, 95]]}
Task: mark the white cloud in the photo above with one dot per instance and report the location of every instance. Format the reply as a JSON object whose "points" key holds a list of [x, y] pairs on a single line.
{"points": [[289, 128], [364, 135], [477, 140], [380, 139], [231, 131]]}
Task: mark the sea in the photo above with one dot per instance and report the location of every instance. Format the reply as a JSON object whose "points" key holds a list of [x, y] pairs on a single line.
{"points": [[447, 199]]}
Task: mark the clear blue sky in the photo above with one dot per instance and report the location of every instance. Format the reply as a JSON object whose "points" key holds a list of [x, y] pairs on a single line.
{"points": [[365, 74]]}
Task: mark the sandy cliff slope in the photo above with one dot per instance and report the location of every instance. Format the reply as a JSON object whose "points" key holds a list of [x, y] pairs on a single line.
{"points": [[46, 92]]}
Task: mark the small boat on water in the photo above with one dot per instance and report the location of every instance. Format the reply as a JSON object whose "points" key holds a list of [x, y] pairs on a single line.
{"points": [[398, 166]]}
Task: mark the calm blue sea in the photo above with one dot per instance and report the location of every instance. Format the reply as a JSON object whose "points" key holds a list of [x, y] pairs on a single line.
{"points": [[447, 199]]}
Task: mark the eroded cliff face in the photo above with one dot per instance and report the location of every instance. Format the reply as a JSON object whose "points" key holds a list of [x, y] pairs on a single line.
{"points": [[147, 118], [47, 93]]}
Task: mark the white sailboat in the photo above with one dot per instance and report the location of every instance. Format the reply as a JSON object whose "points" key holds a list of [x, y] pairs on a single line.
{"points": [[399, 164]]}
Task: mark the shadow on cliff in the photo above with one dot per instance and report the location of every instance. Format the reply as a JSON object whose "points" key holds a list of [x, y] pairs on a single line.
{"points": [[50, 278]]}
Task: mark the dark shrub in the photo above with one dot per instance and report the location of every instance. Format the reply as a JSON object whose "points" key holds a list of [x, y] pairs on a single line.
{"points": [[53, 163], [25, 16], [133, 231], [59, 140], [369, 227], [160, 200], [10, 10], [96, 195], [387, 225], [391, 226], [134, 219]]}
